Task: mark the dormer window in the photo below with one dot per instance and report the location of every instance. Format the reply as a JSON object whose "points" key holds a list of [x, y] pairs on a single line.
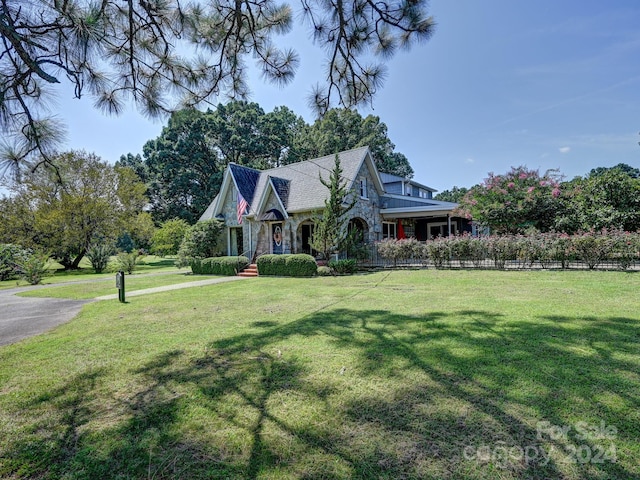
{"points": [[363, 188]]}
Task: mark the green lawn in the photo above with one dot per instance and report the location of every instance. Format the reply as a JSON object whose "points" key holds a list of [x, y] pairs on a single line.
{"points": [[82, 290], [147, 264], [405, 374]]}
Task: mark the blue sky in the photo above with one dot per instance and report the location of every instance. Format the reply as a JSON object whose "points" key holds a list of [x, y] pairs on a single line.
{"points": [[546, 84]]}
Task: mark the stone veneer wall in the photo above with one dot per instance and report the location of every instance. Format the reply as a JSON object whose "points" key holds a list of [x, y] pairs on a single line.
{"points": [[368, 209], [257, 235]]}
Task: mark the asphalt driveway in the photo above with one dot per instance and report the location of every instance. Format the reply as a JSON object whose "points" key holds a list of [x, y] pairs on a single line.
{"points": [[22, 317]]}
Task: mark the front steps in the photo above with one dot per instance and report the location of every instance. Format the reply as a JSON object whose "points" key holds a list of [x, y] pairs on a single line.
{"points": [[250, 271]]}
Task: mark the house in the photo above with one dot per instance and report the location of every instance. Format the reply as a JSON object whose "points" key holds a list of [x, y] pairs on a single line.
{"points": [[273, 211]]}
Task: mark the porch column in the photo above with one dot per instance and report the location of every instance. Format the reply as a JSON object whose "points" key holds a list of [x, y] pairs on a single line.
{"points": [[449, 224]]}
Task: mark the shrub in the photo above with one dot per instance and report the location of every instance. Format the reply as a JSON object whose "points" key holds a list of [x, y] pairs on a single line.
{"points": [[127, 261], [478, 250], [439, 251], [592, 247], [561, 247], [167, 239], [501, 249], [200, 241], [461, 248], [125, 243], [626, 247], [98, 256], [388, 249], [344, 267], [403, 249], [34, 268], [287, 265], [324, 271], [10, 257], [219, 265], [301, 265]]}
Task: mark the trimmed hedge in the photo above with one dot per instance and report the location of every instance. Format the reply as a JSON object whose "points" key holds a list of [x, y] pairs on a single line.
{"points": [[219, 265], [287, 265]]}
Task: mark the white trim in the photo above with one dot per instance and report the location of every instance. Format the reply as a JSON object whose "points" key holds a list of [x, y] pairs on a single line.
{"points": [[223, 192], [451, 227], [413, 212], [426, 201], [395, 229]]}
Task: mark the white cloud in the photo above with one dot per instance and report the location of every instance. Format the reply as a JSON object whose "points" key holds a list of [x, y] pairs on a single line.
{"points": [[564, 149], [469, 160]]}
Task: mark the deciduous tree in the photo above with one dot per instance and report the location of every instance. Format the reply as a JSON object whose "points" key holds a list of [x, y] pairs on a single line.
{"points": [[455, 195], [343, 129], [607, 199], [515, 201], [64, 210]]}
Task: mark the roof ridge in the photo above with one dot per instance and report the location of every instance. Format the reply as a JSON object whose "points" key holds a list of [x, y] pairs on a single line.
{"points": [[245, 167], [313, 160]]}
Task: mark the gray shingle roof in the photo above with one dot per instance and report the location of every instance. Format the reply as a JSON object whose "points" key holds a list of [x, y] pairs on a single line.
{"points": [[389, 178], [298, 184]]}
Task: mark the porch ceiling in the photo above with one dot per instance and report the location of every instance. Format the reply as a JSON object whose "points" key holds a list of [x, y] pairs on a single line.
{"points": [[417, 212]]}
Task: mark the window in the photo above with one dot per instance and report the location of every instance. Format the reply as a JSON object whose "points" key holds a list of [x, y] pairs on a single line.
{"points": [[441, 229], [363, 188], [388, 230], [409, 228]]}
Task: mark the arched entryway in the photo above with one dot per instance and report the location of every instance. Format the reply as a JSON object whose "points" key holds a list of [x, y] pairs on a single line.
{"points": [[304, 235], [360, 225], [358, 235]]}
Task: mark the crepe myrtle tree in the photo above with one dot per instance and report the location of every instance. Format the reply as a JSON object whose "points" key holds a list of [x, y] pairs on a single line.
{"points": [[515, 201], [163, 55]]}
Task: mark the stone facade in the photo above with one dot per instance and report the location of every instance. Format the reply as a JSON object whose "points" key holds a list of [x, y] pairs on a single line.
{"points": [[298, 194]]}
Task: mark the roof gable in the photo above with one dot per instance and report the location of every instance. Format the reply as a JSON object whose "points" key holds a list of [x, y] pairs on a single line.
{"points": [[246, 180], [279, 188], [299, 186]]}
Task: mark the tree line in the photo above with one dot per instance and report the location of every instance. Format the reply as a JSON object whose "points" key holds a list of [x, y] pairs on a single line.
{"points": [[78, 201], [184, 166], [148, 201]]}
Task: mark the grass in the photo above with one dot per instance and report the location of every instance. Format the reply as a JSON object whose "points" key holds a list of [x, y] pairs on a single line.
{"points": [[413, 374], [82, 291], [148, 264]]}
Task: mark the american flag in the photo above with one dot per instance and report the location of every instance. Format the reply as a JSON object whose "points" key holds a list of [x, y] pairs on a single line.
{"points": [[242, 207]]}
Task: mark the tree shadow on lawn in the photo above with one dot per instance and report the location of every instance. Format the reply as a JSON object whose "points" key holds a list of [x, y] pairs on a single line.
{"points": [[444, 395]]}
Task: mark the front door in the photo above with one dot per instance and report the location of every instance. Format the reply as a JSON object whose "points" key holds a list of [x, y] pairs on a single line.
{"points": [[277, 238]]}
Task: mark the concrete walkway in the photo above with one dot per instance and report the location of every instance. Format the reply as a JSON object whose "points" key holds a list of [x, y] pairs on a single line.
{"points": [[166, 288], [23, 317]]}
